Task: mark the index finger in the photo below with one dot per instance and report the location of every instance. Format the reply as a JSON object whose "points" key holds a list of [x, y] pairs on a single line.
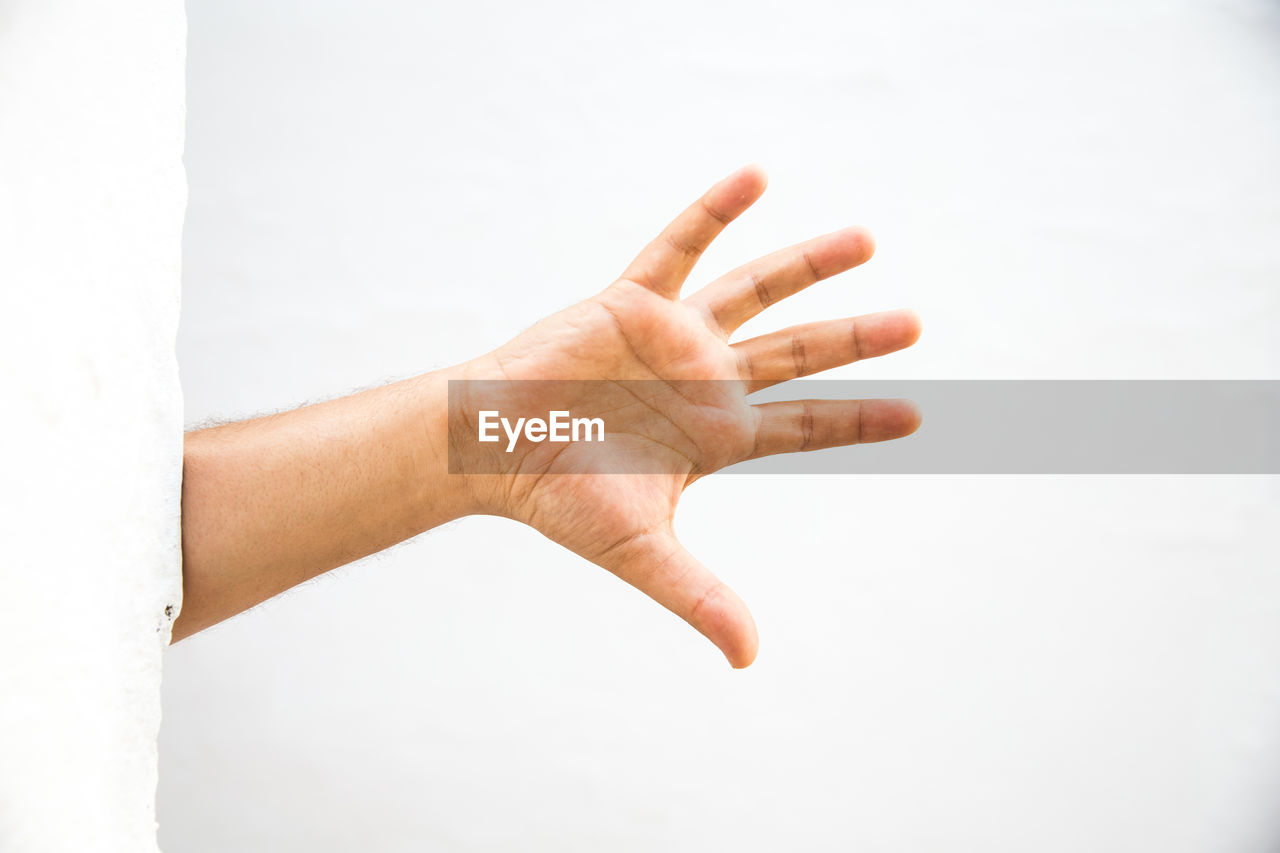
{"points": [[664, 264]]}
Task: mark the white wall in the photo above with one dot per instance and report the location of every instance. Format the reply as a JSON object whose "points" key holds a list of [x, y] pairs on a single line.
{"points": [[91, 204], [1083, 189]]}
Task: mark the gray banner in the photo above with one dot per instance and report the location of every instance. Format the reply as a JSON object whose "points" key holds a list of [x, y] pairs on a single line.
{"points": [[968, 427]]}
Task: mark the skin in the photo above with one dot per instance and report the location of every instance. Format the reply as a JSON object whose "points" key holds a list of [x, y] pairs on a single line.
{"points": [[275, 501]]}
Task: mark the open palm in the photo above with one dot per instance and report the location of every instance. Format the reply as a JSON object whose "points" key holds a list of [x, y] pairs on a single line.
{"points": [[675, 392]]}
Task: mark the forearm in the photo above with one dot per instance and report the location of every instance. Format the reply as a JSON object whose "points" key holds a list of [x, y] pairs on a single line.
{"points": [[275, 501]]}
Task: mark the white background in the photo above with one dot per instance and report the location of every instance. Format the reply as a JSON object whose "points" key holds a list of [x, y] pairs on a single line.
{"points": [[1063, 190], [91, 200]]}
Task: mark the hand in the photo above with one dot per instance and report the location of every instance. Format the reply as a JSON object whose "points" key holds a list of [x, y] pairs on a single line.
{"points": [[639, 329]]}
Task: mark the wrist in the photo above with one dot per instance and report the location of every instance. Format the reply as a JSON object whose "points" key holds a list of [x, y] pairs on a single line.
{"points": [[449, 491]]}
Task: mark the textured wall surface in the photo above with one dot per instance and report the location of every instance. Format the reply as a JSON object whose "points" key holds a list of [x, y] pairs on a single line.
{"points": [[91, 205], [988, 665]]}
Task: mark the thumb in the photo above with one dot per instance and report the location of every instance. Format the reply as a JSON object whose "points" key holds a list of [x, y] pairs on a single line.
{"points": [[660, 567]]}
